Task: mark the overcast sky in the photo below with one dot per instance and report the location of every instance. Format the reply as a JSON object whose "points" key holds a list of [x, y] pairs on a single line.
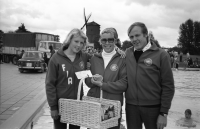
{"points": [[162, 17]]}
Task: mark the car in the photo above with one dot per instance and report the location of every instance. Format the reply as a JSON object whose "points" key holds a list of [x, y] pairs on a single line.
{"points": [[32, 60]]}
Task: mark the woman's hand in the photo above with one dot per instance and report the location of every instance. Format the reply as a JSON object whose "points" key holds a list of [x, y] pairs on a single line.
{"points": [[54, 114], [97, 77], [97, 80]]}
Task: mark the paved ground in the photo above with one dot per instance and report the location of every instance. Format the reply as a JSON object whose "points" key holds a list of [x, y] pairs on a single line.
{"points": [[16, 89]]}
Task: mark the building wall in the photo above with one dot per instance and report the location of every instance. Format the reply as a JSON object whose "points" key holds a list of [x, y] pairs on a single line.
{"points": [[93, 33]]}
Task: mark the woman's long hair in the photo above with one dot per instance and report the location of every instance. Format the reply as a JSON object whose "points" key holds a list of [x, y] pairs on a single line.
{"points": [[74, 33]]}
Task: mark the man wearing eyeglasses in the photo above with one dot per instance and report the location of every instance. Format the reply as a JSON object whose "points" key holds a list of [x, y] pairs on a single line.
{"points": [[150, 81]]}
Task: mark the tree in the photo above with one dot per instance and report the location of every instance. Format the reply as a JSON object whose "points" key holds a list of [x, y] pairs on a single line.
{"points": [[153, 40], [10, 31], [1, 32], [126, 44], [189, 34], [197, 36], [1, 36], [22, 29], [118, 44], [175, 48]]}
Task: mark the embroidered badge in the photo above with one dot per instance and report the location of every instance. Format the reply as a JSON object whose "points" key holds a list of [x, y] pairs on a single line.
{"points": [[113, 67], [148, 62], [81, 64]]}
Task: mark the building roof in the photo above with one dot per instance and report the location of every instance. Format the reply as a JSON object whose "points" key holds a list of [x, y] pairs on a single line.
{"points": [[93, 24]]}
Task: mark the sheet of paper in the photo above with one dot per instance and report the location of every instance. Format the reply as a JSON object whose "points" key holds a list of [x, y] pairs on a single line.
{"points": [[82, 74]]}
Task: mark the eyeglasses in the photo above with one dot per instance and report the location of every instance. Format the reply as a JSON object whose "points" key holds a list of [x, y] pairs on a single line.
{"points": [[109, 40]]}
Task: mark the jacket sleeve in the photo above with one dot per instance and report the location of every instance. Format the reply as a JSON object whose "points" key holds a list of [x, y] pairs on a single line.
{"points": [[88, 80], [89, 83], [120, 85], [167, 83], [51, 78]]}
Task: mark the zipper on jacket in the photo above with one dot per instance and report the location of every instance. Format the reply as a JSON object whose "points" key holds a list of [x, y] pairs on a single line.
{"points": [[137, 84], [74, 81], [136, 79], [106, 68]]}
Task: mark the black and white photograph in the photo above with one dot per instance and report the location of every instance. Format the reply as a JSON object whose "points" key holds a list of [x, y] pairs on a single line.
{"points": [[99, 64]]}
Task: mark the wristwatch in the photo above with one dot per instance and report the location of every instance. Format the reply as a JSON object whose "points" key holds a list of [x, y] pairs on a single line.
{"points": [[163, 114]]}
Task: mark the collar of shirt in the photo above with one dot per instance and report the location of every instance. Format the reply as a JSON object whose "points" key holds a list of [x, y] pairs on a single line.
{"points": [[146, 47]]}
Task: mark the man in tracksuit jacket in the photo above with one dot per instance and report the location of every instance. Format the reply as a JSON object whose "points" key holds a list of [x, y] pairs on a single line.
{"points": [[150, 82]]}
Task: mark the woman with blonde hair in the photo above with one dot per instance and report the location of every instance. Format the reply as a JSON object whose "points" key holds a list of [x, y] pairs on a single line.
{"points": [[61, 81]]}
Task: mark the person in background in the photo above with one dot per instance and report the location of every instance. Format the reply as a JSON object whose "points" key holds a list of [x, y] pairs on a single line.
{"points": [[52, 51], [150, 81], [111, 67], [21, 54], [45, 58], [61, 81], [171, 59], [187, 121], [176, 62], [181, 56], [188, 55], [190, 62], [196, 63], [1, 53]]}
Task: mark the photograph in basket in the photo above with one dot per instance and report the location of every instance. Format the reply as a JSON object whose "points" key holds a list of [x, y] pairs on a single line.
{"points": [[107, 112]]}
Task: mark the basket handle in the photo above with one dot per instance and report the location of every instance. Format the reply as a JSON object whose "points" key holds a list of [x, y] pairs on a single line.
{"points": [[101, 94], [79, 89]]}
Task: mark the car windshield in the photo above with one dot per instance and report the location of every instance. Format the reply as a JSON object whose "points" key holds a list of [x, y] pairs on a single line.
{"points": [[56, 46], [32, 55]]}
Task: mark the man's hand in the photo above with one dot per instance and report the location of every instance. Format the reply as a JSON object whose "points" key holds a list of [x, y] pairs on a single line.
{"points": [[122, 53], [161, 122], [54, 114], [97, 83]]}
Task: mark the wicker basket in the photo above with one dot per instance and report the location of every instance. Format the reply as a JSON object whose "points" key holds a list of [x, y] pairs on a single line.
{"points": [[87, 112]]}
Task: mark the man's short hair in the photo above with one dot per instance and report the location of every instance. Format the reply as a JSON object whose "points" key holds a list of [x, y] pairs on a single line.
{"points": [[140, 24], [50, 47]]}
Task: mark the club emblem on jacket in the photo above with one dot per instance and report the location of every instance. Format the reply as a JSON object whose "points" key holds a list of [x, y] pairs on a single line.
{"points": [[113, 67], [148, 62], [81, 64]]}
